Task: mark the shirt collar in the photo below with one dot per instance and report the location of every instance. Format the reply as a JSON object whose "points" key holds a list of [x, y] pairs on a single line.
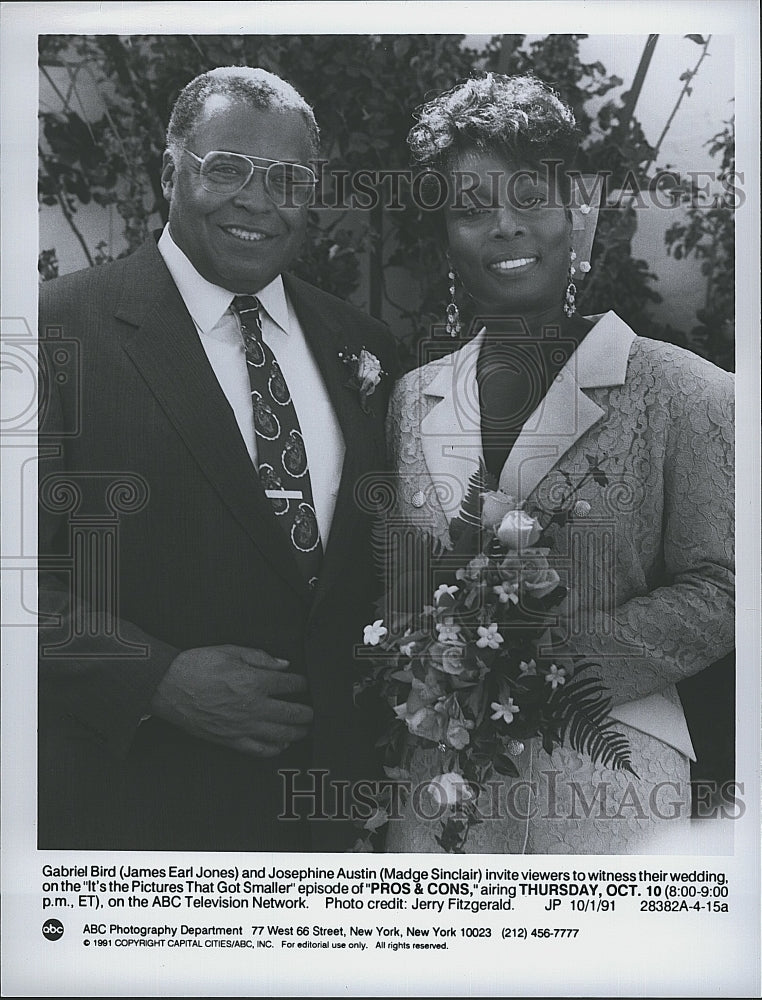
{"points": [[273, 301], [207, 302]]}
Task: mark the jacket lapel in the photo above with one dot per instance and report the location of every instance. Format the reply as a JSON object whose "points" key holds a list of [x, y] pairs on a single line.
{"points": [[164, 345], [566, 412], [451, 430], [560, 420]]}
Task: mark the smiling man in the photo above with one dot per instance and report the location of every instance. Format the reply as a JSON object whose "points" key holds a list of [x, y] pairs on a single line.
{"points": [[239, 239], [218, 652]]}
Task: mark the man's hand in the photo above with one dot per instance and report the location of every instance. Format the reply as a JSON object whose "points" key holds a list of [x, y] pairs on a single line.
{"points": [[233, 695]]}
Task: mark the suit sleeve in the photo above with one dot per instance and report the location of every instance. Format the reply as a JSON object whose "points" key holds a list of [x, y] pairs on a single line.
{"points": [[687, 623], [96, 674]]}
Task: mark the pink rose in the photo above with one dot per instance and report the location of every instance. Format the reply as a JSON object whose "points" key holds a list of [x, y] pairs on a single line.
{"points": [[495, 505], [429, 689], [531, 567], [508, 570], [448, 657], [449, 789], [424, 722], [457, 735], [475, 568], [537, 577]]}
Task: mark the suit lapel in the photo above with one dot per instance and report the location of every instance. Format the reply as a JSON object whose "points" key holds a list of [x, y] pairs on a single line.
{"points": [[164, 345]]}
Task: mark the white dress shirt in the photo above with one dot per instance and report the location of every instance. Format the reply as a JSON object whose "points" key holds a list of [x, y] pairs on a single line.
{"points": [[220, 334]]}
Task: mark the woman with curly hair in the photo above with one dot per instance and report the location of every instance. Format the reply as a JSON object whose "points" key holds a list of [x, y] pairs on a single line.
{"points": [[540, 395]]}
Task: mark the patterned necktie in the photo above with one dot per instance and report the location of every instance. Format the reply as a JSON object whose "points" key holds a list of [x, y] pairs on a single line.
{"points": [[281, 455]]}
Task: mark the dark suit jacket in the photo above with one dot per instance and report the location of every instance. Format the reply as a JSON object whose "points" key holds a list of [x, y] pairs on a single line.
{"points": [[151, 511]]}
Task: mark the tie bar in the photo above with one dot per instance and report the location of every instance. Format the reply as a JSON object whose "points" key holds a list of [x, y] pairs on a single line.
{"points": [[284, 494]]}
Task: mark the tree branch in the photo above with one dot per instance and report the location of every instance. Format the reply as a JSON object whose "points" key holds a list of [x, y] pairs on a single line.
{"points": [[69, 216], [683, 93], [51, 81]]}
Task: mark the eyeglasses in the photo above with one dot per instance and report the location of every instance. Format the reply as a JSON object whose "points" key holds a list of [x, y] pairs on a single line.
{"points": [[289, 185]]}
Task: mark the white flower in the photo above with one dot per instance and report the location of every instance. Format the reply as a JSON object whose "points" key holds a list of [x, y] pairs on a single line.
{"points": [[373, 634], [503, 710], [507, 592], [518, 530], [447, 632], [408, 649], [444, 591], [528, 669], [556, 676], [449, 789], [489, 636]]}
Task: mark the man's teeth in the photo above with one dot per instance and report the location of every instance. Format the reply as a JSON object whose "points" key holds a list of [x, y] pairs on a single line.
{"points": [[246, 234], [509, 265]]}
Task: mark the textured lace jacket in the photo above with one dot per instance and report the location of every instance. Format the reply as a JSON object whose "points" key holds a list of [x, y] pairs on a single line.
{"points": [[650, 564]]}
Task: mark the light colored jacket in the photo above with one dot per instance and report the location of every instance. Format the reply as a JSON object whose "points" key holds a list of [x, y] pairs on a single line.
{"points": [[650, 568]]}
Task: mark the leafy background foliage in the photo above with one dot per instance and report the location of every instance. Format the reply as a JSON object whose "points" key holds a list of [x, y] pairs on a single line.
{"points": [[363, 89]]}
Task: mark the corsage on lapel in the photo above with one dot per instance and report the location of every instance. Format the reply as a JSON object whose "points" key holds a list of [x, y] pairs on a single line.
{"points": [[365, 373]]}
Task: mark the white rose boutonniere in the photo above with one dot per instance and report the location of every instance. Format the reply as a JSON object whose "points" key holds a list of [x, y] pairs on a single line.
{"points": [[365, 373]]}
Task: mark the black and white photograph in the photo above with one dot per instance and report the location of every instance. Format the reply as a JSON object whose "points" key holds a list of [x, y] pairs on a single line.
{"points": [[381, 494]]}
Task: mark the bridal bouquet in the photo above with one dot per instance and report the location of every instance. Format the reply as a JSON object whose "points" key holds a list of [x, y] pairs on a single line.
{"points": [[461, 669]]}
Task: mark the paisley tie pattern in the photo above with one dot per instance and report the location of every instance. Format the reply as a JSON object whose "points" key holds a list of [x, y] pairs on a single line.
{"points": [[281, 455]]}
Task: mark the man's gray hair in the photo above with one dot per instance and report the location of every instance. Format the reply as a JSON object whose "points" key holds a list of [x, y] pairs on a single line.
{"points": [[256, 87]]}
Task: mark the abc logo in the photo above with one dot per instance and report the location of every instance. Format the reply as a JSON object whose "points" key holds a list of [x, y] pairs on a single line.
{"points": [[53, 929]]}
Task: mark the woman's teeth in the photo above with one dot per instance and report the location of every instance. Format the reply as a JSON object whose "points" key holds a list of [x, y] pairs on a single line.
{"points": [[510, 265]]}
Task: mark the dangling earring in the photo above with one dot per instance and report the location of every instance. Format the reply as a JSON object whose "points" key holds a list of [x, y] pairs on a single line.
{"points": [[570, 298], [453, 315]]}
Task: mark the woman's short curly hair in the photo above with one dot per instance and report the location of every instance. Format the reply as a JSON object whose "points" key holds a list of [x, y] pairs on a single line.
{"points": [[518, 117]]}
